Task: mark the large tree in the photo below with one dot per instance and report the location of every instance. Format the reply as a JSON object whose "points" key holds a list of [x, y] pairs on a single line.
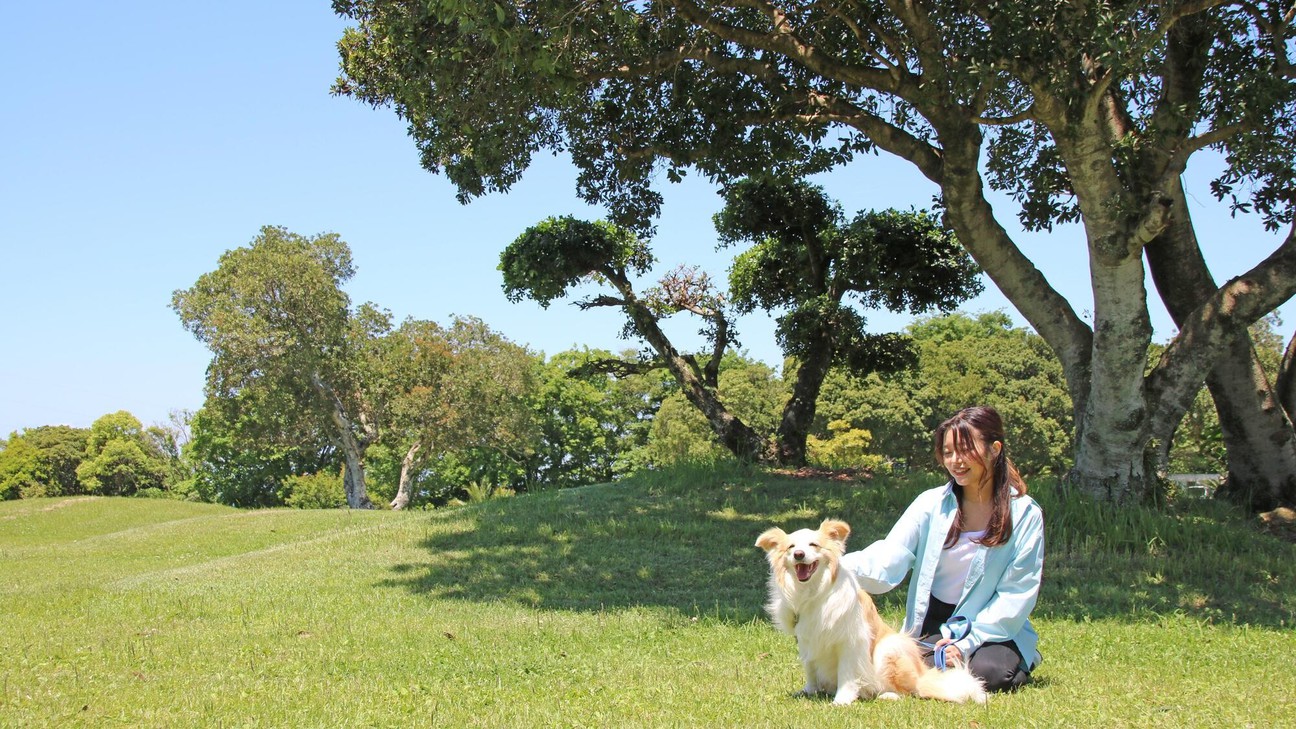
{"points": [[1083, 111], [279, 325]]}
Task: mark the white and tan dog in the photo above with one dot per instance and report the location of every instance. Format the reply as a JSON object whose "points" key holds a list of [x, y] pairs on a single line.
{"points": [[846, 648]]}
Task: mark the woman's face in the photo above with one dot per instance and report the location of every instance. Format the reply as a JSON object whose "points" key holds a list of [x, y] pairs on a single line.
{"points": [[967, 469]]}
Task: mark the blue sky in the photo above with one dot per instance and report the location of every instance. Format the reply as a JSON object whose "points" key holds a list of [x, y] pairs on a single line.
{"points": [[143, 139]]}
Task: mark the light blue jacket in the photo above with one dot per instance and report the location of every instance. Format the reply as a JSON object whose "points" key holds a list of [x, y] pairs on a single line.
{"points": [[1002, 584]]}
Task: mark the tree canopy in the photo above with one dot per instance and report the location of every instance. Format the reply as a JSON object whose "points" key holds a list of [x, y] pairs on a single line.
{"points": [[1085, 112]]}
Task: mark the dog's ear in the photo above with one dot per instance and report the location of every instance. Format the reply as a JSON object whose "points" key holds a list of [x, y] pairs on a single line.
{"points": [[835, 529], [771, 538]]}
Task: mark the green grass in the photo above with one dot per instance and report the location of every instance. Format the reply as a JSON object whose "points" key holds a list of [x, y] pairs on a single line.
{"points": [[635, 604]]}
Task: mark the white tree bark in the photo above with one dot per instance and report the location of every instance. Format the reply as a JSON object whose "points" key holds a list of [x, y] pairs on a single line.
{"points": [[405, 491]]}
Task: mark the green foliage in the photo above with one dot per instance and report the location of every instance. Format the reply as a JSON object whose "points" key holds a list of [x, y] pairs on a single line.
{"points": [[489, 393], [962, 361], [42, 461], [321, 490], [680, 434], [808, 262], [235, 467], [119, 458], [273, 309], [457, 404], [591, 421], [845, 447], [967, 361], [554, 255], [479, 491], [483, 87], [285, 341], [286, 348]]}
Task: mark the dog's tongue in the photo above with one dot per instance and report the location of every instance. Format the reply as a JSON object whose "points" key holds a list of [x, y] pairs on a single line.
{"points": [[805, 570]]}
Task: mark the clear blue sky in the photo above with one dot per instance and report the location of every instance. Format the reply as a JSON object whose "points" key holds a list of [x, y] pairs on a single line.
{"points": [[142, 139]]}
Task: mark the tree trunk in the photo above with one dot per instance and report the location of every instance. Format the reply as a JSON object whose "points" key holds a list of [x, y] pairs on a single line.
{"points": [[1286, 384], [1109, 452], [799, 412], [1109, 469], [405, 491], [353, 480], [1103, 366], [735, 435], [1257, 432]]}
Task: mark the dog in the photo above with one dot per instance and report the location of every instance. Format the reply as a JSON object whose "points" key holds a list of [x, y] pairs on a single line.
{"points": [[845, 647]]}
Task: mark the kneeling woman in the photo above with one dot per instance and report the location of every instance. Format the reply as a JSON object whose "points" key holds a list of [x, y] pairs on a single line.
{"points": [[976, 549]]}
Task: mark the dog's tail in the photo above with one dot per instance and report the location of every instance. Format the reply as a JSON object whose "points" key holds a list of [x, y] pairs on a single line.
{"points": [[955, 684]]}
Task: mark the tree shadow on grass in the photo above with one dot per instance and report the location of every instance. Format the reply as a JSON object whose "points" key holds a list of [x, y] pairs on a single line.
{"points": [[689, 547], [688, 544]]}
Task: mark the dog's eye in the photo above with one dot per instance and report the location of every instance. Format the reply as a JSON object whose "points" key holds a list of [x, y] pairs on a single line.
{"points": [[814, 544]]}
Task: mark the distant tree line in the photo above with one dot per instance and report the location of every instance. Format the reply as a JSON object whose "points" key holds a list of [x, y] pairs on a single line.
{"points": [[591, 427], [115, 456]]}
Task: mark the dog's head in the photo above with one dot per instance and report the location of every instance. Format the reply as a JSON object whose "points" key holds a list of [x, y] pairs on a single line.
{"points": [[805, 554]]}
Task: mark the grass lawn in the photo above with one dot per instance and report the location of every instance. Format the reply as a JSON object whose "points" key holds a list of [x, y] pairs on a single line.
{"points": [[632, 604]]}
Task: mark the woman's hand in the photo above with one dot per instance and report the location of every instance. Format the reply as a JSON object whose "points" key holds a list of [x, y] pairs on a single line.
{"points": [[952, 654]]}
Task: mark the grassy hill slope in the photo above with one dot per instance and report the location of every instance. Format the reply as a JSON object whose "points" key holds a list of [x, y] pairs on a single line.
{"points": [[635, 604]]}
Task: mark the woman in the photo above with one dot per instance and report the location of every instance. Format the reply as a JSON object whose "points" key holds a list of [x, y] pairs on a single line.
{"points": [[976, 549]]}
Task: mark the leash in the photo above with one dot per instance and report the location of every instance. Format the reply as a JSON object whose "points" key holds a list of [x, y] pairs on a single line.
{"points": [[956, 628]]}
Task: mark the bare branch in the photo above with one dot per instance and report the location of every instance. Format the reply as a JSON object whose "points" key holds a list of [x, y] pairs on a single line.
{"points": [[1179, 159], [1007, 121], [600, 300]]}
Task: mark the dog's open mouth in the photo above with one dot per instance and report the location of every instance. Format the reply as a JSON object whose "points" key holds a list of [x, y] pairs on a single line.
{"points": [[804, 571]]}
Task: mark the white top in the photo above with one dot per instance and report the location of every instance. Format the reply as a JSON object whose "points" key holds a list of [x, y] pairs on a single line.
{"points": [[952, 569]]}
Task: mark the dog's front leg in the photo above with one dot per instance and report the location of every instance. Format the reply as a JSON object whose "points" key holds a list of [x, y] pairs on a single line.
{"points": [[812, 680], [848, 680]]}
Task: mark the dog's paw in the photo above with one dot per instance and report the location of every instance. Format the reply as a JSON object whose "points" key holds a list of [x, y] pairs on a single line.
{"points": [[845, 697], [890, 696]]}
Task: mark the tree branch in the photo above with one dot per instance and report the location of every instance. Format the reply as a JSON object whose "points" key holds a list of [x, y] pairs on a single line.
{"points": [[1178, 161], [1007, 121], [1174, 382], [783, 40], [617, 367], [863, 41]]}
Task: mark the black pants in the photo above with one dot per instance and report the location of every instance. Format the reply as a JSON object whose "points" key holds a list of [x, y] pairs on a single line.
{"points": [[999, 665]]}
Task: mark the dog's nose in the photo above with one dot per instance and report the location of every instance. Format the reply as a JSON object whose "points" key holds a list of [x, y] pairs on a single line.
{"points": [[798, 555]]}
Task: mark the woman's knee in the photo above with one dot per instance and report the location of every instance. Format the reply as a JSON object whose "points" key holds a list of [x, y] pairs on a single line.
{"points": [[999, 667]]}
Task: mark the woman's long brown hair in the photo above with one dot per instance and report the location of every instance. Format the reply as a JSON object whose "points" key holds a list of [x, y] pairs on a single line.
{"points": [[966, 425]]}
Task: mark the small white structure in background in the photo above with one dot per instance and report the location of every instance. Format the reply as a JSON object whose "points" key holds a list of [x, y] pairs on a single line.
{"points": [[1199, 485]]}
